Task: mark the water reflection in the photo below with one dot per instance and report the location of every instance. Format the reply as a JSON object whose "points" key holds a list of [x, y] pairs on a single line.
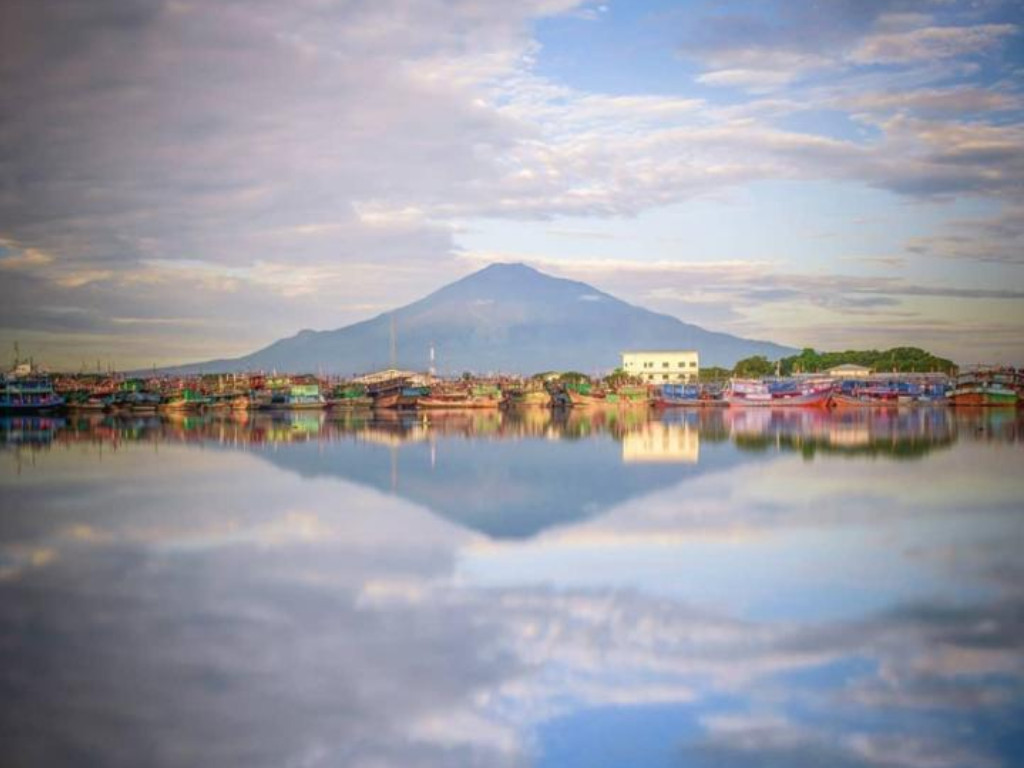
{"points": [[671, 436], [714, 588]]}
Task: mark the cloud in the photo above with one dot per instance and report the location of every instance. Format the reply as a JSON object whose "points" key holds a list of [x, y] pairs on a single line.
{"points": [[321, 158], [934, 102], [930, 43], [997, 240]]}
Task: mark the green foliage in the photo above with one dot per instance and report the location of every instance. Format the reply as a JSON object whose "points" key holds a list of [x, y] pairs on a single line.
{"points": [[754, 367], [899, 359], [618, 378]]}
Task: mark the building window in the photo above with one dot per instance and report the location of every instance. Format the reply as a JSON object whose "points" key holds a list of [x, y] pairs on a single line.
{"points": [[664, 365]]}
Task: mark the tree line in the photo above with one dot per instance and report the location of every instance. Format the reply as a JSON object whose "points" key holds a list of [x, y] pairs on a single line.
{"points": [[895, 360]]}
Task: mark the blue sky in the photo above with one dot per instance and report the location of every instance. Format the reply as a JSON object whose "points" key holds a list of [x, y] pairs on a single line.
{"points": [[185, 180]]}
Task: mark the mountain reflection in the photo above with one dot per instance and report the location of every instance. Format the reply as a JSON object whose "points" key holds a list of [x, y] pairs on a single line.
{"points": [[441, 460]]}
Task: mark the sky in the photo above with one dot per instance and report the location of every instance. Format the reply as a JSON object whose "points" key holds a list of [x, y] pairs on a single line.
{"points": [[187, 180]]}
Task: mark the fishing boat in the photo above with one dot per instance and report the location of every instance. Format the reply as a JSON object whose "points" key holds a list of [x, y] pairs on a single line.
{"points": [[778, 393], [528, 398], [183, 400], [869, 393], [685, 396], [583, 396], [84, 400], [404, 397], [27, 392], [349, 398], [297, 397], [888, 393], [985, 388], [142, 402], [481, 397]]}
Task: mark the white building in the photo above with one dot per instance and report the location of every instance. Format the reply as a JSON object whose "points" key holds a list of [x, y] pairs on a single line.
{"points": [[662, 367]]}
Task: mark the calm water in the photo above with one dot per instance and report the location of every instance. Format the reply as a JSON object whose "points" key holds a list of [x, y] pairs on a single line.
{"points": [[718, 589]]}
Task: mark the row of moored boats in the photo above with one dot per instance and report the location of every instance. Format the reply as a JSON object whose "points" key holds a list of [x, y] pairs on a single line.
{"points": [[36, 393]]}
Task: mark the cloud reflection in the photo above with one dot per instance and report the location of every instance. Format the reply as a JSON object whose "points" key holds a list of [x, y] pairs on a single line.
{"points": [[198, 604]]}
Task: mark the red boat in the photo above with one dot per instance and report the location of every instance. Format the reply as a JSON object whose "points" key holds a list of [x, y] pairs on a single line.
{"points": [[785, 393]]}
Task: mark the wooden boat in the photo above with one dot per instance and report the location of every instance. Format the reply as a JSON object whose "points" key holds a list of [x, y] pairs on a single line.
{"points": [[349, 397], [888, 393], [626, 398], [349, 403], [400, 398], [534, 398], [83, 401], [183, 400], [142, 402], [984, 388], [841, 400], [458, 400], [387, 400], [784, 393], [297, 397], [684, 396]]}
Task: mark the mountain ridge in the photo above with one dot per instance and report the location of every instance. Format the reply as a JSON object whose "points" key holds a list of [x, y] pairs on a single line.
{"points": [[506, 317]]}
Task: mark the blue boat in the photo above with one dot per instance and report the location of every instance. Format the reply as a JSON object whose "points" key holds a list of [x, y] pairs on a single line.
{"points": [[30, 393], [674, 395]]}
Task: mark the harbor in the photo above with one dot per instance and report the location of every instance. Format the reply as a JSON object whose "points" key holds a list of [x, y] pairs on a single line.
{"points": [[27, 390]]}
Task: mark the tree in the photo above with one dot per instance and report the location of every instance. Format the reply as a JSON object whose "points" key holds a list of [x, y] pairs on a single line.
{"points": [[900, 359], [754, 367], [618, 378]]}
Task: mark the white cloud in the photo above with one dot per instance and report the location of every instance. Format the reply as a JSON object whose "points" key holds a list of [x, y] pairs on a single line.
{"points": [[928, 43]]}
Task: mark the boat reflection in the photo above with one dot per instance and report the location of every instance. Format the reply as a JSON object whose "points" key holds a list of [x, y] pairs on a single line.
{"points": [[668, 437], [441, 461], [903, 434]]}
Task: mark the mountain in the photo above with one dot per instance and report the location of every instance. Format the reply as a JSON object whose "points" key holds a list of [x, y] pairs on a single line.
{"points": [[506, 317]]}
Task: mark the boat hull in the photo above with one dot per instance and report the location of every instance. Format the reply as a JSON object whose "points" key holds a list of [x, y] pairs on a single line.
{"points": [[687, 402], [579, 400], [533, 399], [984, 398], [816, 399], [350, 403], [434, 403]]}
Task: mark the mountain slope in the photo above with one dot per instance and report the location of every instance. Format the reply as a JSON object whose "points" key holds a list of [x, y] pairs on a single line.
{"points": [[506, 317]]}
